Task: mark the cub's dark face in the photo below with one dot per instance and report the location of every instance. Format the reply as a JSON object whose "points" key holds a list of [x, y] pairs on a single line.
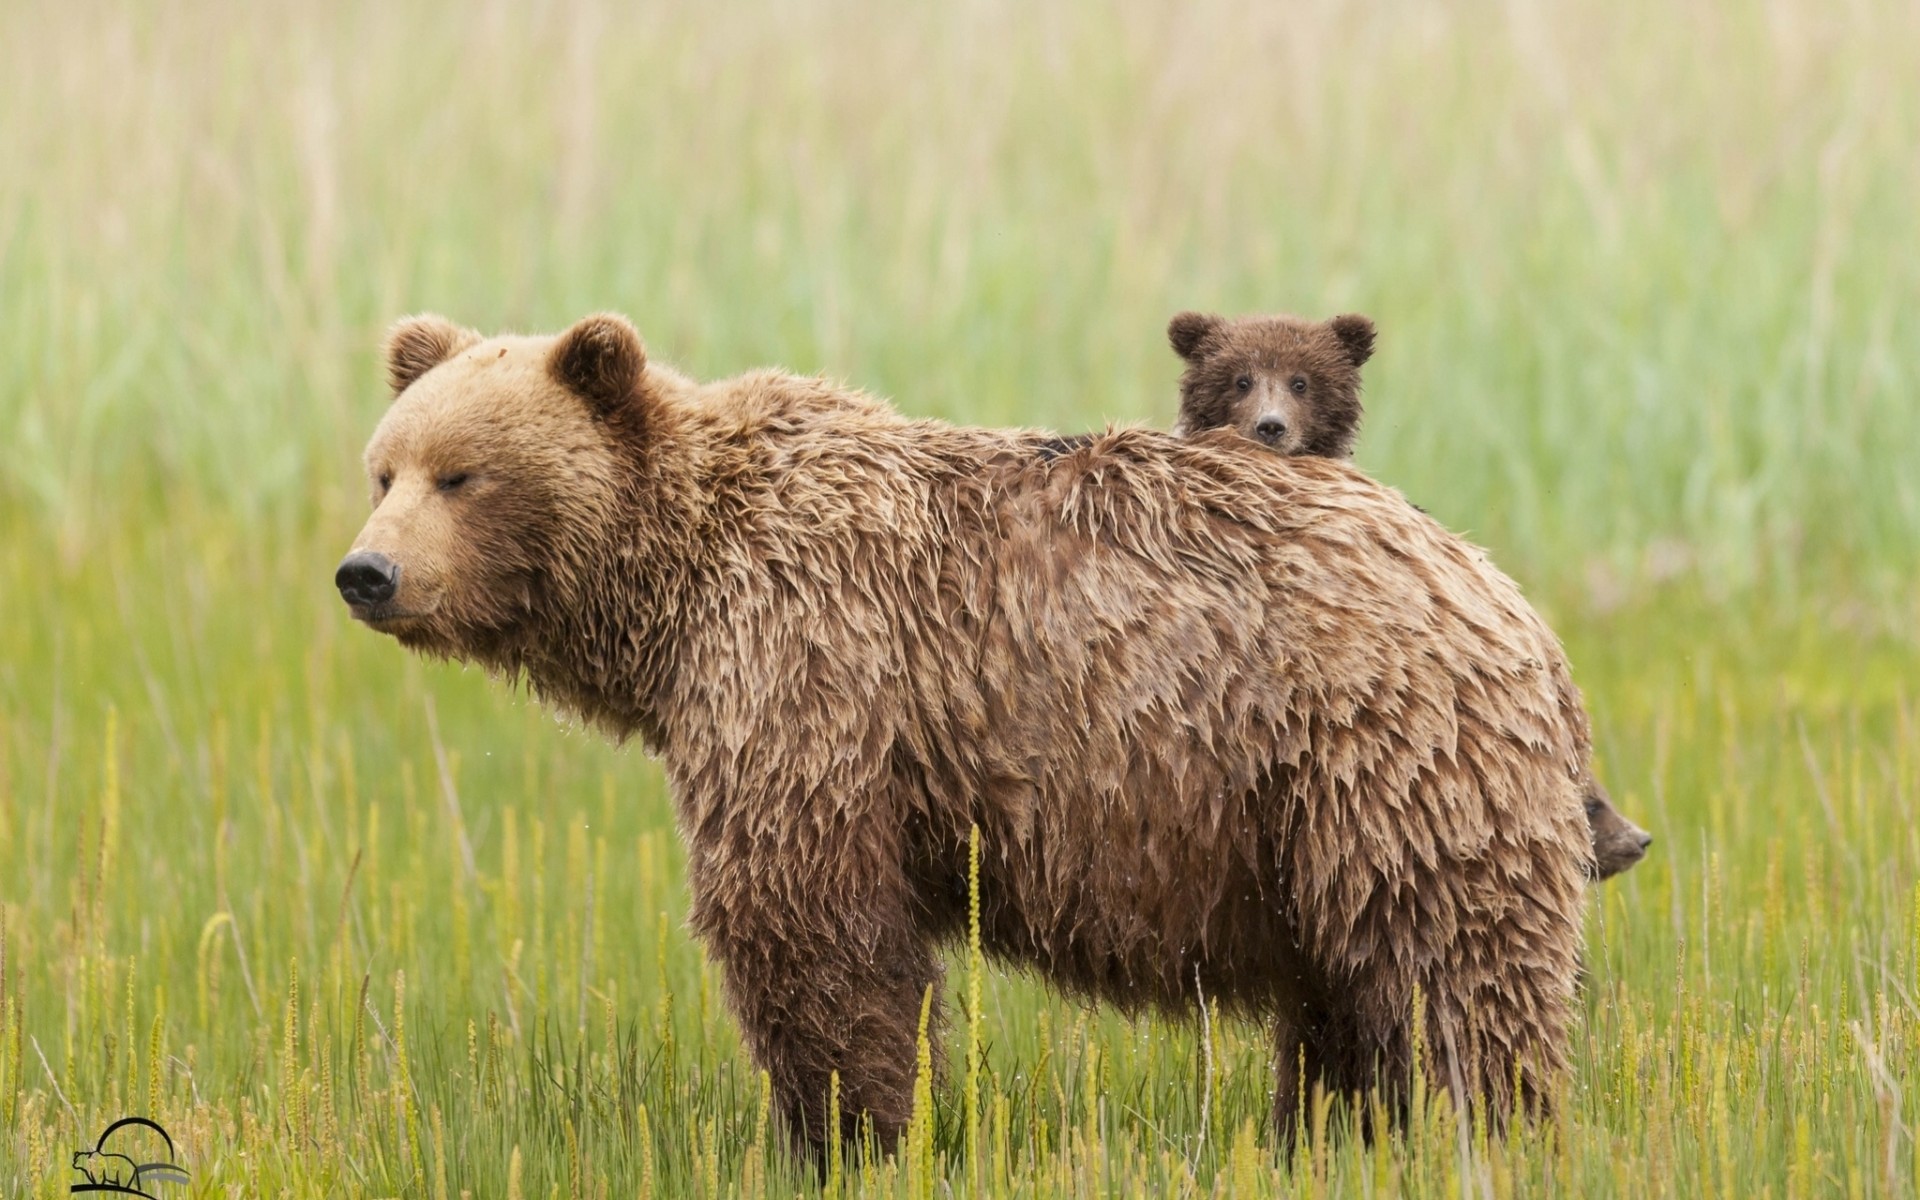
{"points": [[1617, 842], [1289, 384]]}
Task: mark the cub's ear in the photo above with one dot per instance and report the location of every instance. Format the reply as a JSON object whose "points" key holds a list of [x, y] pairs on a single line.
{"points": [[600, 359], [1356, 336], [416, 345], [1189, 329]]}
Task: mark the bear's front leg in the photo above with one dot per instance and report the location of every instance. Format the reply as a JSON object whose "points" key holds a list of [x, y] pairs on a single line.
{"points": [[826, 972]]}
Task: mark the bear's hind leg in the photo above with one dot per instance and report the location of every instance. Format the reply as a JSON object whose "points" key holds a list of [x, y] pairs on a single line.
{"points": [[1298, 1069]]}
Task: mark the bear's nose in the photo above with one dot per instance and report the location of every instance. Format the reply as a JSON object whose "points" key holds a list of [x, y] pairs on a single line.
{"points": [[1270, 429], [1643, 839], [366, 578]]}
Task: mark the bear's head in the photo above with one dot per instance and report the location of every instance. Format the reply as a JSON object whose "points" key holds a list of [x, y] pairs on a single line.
{"points": [[1617, 842], [1290, 384], [497, 459]]}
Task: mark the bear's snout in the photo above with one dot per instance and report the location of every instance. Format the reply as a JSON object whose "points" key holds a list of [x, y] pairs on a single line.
{"points": [[367, 578]]}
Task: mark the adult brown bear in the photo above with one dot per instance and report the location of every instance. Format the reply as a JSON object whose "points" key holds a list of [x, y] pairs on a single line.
{"points": [[1227, 721]]}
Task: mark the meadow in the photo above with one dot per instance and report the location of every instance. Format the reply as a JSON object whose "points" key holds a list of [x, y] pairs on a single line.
{"points": [[348, 923]]}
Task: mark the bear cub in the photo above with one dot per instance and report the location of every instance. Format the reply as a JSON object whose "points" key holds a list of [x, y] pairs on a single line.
{"points": [[1290, 384], [1293, 385]]}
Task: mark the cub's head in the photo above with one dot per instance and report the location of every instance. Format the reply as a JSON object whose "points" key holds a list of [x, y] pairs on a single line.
{"points": [[498, 459], [1617, 842], [1290, 384]]}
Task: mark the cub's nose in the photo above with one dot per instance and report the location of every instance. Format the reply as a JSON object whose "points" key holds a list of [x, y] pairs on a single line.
{"points": [[1643, 839], [366, 578], [1270, 430]]}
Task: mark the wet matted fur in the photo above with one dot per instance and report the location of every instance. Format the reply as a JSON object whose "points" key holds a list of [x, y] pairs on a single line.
{"points": [[1225, 720], [1237, 374]]}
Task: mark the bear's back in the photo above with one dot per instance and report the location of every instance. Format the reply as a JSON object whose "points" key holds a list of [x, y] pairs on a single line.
{"points": [[1172, 679], [1232, 663]]}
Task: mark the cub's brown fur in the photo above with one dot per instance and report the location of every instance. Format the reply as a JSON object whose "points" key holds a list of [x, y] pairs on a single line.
{"points": [[1291, 385], [1226, 722], [1294, 386]]}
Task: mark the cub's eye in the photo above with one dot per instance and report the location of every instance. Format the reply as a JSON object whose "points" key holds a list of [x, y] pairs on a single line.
{"points": [[386, 480], [1299, 385], [1593, 809], [1244, 383], [452, 482]]}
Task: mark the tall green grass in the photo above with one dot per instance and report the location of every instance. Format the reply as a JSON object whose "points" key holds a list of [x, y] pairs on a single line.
{"points": [[349, 923]]}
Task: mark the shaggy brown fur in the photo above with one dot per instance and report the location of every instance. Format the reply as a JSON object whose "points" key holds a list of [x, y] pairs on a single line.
{"points": [[1225, 721], [1234, 369], [1290, 384]]}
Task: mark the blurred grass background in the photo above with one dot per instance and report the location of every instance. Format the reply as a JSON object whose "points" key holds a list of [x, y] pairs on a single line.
{"points": [[1649, 298]]}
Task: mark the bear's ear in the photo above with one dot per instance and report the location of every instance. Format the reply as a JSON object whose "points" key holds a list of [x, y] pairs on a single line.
{"points": [[600, 359], [1188, 330], [416, 345], [1356, 336]]}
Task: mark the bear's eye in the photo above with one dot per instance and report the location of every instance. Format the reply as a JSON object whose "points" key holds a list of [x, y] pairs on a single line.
{"points": [[1299, 385], [386, 480], [1243, 383], [1593, 809], [451, 482]]}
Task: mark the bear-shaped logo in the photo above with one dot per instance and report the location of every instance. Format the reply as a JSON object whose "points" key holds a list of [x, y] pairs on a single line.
{"points": [[105, 1169]]}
